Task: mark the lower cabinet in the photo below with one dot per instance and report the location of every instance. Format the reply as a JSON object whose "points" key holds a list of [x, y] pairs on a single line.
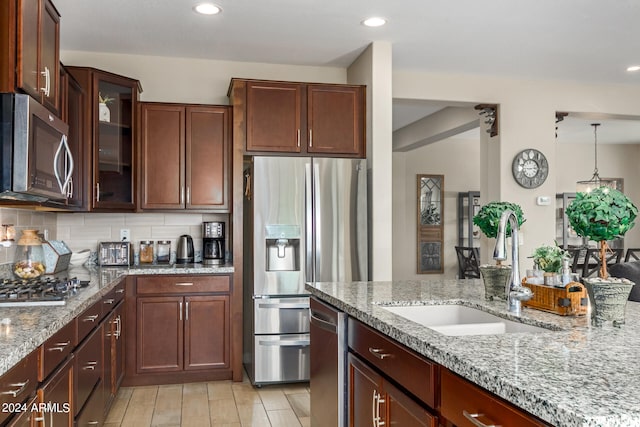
{"points": [[181, 330], [374, 401], [113, 354], [56, 397]]}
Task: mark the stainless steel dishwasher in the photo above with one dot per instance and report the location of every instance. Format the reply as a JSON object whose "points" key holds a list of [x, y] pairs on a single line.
{"points": [[328, 327]]}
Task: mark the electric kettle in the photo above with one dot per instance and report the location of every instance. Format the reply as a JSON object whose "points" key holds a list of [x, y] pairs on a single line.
{"points": [[184, 252]]}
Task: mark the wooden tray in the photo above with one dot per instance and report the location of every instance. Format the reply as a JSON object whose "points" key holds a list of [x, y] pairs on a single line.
{"points": [[571, 300]]}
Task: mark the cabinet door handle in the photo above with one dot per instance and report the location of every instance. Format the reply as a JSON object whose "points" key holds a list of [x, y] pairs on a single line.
{"points": [[60, 346], [97, 191], [90, 318], [15, 393], [379, 353], [298, 138], [47, 81], [180, 310], [186, 311], [118, 322], [310, 138], [184, 284], [188, 195], [474, 420], [182, 194]]}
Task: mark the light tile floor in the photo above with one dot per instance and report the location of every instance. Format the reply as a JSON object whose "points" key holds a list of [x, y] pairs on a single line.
{"points": [[218, 403]]}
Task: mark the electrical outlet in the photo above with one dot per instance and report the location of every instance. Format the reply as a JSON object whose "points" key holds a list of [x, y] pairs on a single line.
{"points": [[125, 235]]}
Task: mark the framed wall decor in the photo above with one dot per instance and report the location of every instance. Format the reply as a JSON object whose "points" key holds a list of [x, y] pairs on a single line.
{"points": [[430, 220]]}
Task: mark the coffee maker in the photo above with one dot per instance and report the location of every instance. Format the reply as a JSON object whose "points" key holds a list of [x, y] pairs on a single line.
{"points": [[213, 243]]}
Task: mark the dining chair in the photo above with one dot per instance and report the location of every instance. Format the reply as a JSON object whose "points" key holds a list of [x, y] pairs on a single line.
{"points": [[592, 260], [633, 254], [468, 262], [577, 259]]}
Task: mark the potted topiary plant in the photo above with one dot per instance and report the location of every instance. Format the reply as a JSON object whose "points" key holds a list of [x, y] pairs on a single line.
{"points": [[549, 259], [604, 214], [495, 277]]}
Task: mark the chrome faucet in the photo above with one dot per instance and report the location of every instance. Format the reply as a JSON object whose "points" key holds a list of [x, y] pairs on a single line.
{"points": [[514, 291]]}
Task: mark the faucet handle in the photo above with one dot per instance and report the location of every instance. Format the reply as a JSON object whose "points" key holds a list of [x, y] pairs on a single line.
{"points": [[521, 293]]}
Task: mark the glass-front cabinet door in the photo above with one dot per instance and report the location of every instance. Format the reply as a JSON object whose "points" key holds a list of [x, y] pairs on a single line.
{"points": [[114, 105]]}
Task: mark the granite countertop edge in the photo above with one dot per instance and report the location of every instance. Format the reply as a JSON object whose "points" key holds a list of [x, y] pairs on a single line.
{"points": [[30, 327], [361, 300]]}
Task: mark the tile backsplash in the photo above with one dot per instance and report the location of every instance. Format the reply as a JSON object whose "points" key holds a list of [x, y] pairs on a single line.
{"points": [[85, 230], [23, 219]]}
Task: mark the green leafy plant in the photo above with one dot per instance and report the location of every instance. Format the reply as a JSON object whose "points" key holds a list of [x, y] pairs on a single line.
{"points": [[549, 258], [104, 99], [602, 214], [488, 218]]}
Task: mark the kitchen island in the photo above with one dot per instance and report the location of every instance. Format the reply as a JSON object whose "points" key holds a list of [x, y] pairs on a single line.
{"points": [[571, 375]]}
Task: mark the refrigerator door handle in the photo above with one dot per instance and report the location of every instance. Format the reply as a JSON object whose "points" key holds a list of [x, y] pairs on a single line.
{"points": [[284, 306], [308, 226], [285, 343]]}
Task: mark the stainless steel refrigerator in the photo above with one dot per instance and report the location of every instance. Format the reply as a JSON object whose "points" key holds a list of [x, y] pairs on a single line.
{"points": [[305, 221]]}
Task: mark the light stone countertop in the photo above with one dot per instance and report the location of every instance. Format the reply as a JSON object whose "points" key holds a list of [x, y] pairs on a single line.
{"points": [[577, 376], [31, 326]]}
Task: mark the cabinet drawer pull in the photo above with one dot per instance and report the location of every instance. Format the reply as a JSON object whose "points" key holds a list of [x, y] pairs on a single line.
{"points": [[90, 318], [184, 284], [379, 353], [60, 346], [474, 420], [119, 291], [90, 366], [109, 301], [40, 420], [15, 393], [93, 423]]}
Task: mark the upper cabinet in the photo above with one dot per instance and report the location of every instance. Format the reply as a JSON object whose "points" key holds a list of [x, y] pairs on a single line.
{"points": [[185, 157], [31, 33], [72, 107], [301, 118], [109, 131]]}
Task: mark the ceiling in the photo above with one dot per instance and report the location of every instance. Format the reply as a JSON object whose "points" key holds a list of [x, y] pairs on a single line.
{"points": [[577, 40]]}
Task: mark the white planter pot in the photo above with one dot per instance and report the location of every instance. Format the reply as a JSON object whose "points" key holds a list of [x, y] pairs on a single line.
{"points": [[104, 114]]}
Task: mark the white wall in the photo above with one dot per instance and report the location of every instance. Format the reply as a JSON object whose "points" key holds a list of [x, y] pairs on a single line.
{"points": [[458, 160], [187, 80], [527, 119]]}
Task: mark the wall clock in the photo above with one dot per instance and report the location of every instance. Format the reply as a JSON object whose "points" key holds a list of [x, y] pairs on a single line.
{"points": [[530, 168]]}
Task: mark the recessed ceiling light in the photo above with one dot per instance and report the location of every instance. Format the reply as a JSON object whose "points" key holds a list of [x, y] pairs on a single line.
{"points": [[634, 68], [207, 9], [374, 22]]}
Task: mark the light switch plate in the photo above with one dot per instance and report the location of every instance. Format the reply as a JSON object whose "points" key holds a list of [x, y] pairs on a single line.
{"points": [[125, 235], [543, 200]]}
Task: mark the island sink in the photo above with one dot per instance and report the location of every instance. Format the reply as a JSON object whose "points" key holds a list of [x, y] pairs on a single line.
{"points": [[459, 320]]}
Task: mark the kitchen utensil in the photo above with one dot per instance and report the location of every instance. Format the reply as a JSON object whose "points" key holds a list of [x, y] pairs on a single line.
{"points": [[184, 252]]}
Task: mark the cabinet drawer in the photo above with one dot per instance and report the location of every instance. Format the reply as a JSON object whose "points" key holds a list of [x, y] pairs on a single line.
{"points": [[88, 367], [181, 284], [56, 349], [88, 320], [462, 401], [415, 373], [20, 382]]}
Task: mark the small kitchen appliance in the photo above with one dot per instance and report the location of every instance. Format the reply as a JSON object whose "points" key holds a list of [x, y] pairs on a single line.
{"points": [[213, 243], [115, 253], [184, 251]]}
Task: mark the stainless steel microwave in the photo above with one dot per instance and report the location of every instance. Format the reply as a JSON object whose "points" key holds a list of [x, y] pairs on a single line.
{"points": [[37, 163]]}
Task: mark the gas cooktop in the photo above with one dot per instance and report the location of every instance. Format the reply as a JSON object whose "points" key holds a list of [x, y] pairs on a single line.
{"points": [[44, 290]]}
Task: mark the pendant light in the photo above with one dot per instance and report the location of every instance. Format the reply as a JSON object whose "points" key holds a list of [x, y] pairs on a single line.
{"points": [[595, 181]]}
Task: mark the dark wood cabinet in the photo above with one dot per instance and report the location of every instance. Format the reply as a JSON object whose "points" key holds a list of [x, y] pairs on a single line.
{"points": [[113, 347], [30, 40], [185, 157], [56, 396], [72, 105], [302, 118], [109, 131], [18, 384], [375, 401], [89, 365], [375, 365], [467, 405], [181, 329]]}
